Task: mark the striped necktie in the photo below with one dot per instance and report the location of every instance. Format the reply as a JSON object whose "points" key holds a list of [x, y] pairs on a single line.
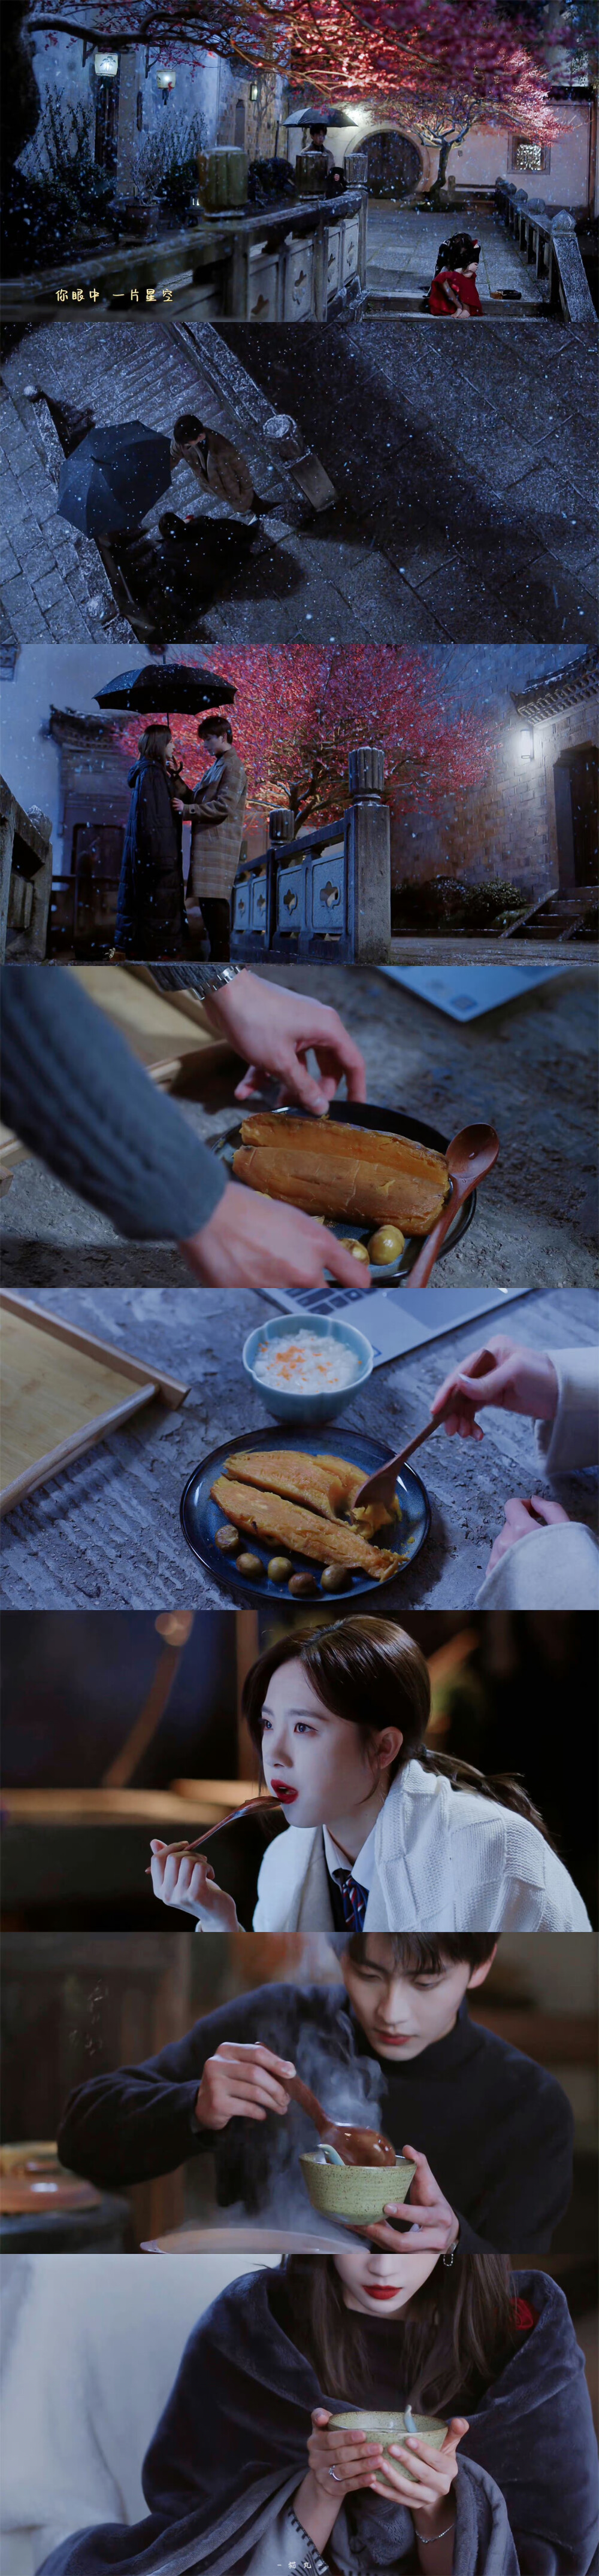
{"points": [[354, 1899]]}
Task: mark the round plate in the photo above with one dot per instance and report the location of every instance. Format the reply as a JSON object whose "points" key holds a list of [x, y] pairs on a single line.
{"points": [[200, 1517], [393, 1122]]}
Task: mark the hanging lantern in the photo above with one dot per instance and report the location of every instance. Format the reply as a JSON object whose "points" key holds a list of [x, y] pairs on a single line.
{"points": [[165, 81], [106, 66]]}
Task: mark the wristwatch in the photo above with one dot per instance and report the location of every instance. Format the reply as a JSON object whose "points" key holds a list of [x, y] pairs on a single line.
{"points": [[217, 975]]}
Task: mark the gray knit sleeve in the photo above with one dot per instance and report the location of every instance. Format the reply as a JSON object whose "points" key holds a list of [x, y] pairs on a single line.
{"points": [[73, 1092]]}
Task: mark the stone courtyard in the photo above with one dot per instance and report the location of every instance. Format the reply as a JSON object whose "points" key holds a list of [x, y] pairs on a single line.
{"points": [[403, 242], [463, 465]]}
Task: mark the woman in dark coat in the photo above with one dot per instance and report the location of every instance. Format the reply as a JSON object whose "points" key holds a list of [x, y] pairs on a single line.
{"points": [[150, 918], [247, 2476]]}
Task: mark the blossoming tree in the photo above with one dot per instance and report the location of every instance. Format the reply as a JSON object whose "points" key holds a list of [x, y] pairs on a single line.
{"points": [[301, 709]]}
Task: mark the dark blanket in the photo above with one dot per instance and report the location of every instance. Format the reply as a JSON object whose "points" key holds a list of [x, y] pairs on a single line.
{"points": [[150, 897], [230, 2450]]}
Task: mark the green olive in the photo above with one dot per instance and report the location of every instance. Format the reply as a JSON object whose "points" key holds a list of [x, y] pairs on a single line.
{"points": [[250, 1565], [335, 1578], [301, 1585], [386, 1245], [350, 1244], [279, 1568], [228, 1538]]}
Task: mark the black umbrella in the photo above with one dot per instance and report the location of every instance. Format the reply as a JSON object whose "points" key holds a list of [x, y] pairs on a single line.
{"points": [[333, 116], [113, 477], [167, 688]]}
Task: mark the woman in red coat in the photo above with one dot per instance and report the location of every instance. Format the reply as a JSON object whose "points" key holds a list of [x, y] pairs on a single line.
{"points": [[454, 289]]}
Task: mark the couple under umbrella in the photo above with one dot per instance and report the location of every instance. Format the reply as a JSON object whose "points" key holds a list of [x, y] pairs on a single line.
{"points": [[151, 919]]}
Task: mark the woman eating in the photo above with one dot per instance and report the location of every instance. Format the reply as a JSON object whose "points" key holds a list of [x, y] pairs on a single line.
{"points": [[382, 1835]]}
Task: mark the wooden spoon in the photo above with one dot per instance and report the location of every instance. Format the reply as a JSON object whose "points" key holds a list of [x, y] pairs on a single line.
{"points": [[250, 1809], [380, 1488], [469, 1156], [354, 2146]]}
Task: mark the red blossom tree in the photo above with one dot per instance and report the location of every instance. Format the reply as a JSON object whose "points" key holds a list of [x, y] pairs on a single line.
{"points": [[350, 48], [301, 709]]}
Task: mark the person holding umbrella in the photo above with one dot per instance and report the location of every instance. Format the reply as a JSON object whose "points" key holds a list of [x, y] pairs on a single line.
{"points": [[150, 919], [217, 810]]}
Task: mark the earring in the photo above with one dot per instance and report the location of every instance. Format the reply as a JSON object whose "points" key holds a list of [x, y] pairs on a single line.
{"points": [[448, 2258]]}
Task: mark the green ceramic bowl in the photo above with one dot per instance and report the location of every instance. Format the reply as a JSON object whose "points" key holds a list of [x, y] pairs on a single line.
{"points": [[388, 2428], [352, 2192]]}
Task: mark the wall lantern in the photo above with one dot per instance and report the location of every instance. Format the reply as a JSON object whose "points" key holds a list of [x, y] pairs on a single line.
{"points": [[165, 81], [527, 743], [253, 91], [106, 66]]}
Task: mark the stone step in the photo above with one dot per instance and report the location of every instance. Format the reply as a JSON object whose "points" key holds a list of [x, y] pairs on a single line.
{"points": [[397, 300]]}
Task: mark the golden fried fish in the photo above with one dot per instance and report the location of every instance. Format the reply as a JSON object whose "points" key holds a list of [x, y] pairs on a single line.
{"points": [[302, 1479], [343, 1172], [306, 1533]]}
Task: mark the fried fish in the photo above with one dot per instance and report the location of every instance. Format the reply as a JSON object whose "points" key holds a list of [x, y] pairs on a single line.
{"points": [[319, 1482], [306, 1533], [342, 1171]]}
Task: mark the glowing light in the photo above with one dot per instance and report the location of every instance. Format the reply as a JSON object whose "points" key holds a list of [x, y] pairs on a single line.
{"points": [[106, 66], [527, 743], [165, 81]]}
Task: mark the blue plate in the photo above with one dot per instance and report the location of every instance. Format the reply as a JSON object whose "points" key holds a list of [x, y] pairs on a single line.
{"points": [[390, 1122], [200, 1517]]}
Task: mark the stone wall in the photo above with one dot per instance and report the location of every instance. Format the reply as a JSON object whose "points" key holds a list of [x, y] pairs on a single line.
{"points": [[206, 89], [507, 827], [486, 154]]}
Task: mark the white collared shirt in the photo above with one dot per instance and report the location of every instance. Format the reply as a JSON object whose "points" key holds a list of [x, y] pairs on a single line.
{"points": [[362, 1869]]}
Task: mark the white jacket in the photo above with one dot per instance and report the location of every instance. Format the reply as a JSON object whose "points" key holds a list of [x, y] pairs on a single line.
{"points": [[446, 1860], [557, 1568]]}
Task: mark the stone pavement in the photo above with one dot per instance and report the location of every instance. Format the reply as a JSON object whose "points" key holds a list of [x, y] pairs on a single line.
{"points": [[403, 242], [467, 462], [464, 465], [529, 1068], [105, 1534]]}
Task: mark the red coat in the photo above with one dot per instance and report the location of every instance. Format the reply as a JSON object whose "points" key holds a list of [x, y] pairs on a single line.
{"points": [[463, 288]]}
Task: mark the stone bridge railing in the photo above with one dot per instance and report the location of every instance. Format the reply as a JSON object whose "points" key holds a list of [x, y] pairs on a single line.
{"points": [[547, 241], [302, 262], [328, 893]]}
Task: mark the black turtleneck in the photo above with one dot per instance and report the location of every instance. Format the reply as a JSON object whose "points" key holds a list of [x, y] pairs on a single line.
{"points": [[496, 2128]]}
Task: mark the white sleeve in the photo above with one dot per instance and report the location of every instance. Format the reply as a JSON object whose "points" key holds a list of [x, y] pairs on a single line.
{"points": [[555, 1908], [556, 1568], [572, 1439]]}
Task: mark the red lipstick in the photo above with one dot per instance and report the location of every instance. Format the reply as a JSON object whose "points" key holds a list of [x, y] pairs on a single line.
{"points": [[381, 2290], [394, 2038], [281, 1790]]}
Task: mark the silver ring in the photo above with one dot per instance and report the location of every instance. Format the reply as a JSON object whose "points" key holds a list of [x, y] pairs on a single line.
{"points": [[334, 2473]]}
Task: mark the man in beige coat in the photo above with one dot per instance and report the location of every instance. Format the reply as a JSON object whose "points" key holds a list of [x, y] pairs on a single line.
{"points": [[216, 812], [219, 467]]}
